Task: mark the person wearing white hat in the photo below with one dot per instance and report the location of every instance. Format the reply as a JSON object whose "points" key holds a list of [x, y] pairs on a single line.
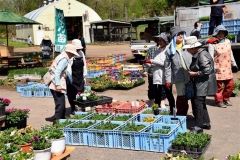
{"points": [[57, 85], [201, 71], [77, 70]]}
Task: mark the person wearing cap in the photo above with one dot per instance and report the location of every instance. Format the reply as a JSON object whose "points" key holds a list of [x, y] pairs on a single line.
{"points": [[202, 66], [46, 46], [77, 70], [157, 66], [58, 85], [176, 70], [225, 65]]}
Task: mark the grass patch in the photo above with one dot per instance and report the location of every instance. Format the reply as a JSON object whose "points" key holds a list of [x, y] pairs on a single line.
{"points": [[15, 44], [39, 71]]}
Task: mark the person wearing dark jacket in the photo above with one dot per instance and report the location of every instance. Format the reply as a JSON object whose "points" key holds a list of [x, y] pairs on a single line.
{"points": [[201, 68], [81, 38], [77, 70], [216, 15], [197, 29]]}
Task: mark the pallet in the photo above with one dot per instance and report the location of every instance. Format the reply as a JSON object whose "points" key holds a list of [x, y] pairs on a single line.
{"points": [[65, 155]]}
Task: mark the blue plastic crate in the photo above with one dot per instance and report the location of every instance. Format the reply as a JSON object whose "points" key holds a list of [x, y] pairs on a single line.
{"points": [[77, 136], [157, 142], [26, 92], [129, 139], [144, 117], [179, 120], [38, 92], [103, 138]]}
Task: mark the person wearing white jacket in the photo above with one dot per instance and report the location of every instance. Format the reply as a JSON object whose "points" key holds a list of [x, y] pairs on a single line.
{"points": [[158, 68], [77, 71]]}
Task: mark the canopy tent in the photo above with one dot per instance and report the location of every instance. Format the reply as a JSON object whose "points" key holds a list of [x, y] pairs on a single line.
{"points": [[10, 18]]}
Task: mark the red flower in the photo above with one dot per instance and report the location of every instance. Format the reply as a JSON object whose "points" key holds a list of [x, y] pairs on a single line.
{"points": [[4, 101]]}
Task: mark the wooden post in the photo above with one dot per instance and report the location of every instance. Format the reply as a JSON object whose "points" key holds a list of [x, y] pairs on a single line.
{"points": [[7, 33]]}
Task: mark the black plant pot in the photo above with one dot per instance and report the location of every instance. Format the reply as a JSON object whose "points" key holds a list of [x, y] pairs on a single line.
{"points": [[20, 124], [156, 112], [2, 111]]}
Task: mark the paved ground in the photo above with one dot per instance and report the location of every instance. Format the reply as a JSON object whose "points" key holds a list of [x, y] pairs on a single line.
{"points": [[225, 122]]}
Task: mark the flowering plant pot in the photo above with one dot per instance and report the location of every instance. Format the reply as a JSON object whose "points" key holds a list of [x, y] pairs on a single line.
{"points": [[26, 148], [3, 103], [58, 146], [44, 154], [16, 117]]}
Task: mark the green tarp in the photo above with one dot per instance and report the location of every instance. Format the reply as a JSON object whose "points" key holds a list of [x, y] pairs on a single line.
{"points": [[10, 18]]}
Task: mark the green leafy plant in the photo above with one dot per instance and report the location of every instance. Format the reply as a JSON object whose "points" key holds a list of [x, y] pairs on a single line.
{"points": [[155, 106], [205, 18], [234, 157], [147, 111], [236, 87], [11, 148], [132, 127], [39, 71], [106, 126], [99, 117], [39, 142], [231, 37], [52, 133], [82, 124], [78, 116], [15, 115], [61, 125], [121, 117]]}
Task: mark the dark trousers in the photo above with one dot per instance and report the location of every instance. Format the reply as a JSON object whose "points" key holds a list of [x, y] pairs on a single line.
{"points": [[71, 94], [159, 93], [200, 111], [150, 88], [182, 105], [59, 100], [170, 98], [214, 22]]}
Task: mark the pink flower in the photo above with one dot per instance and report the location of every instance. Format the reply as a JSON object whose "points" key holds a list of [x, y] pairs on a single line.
{"points": [[4, 101]]}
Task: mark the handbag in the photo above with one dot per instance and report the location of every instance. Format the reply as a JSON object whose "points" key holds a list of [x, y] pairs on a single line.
{"points": [[189, 90], [47, 78]]}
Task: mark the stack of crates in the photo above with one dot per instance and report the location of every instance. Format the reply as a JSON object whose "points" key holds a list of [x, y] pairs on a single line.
{"points": [[155, 136], [233, 27]]}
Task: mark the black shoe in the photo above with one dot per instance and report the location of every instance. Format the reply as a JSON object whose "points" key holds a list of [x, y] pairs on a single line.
{"points": [[206, 126], [227, 103], [196, 129], [51, 119]]}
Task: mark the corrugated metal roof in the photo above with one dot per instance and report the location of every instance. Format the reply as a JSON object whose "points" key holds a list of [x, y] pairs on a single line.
{"points": [[110, 21], [35, 13]]}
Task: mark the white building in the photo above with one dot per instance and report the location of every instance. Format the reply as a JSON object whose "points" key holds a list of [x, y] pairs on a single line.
{"points": [[78, 17]]}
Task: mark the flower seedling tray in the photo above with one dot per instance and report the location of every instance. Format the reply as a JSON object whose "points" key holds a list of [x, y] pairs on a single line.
{"points": [[98, 117], [103, 134], [77, 133], [194, 154], [100, 101]]}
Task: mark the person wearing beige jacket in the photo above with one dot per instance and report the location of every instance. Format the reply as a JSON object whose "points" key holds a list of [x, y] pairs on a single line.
{"points": [[58, 84]]}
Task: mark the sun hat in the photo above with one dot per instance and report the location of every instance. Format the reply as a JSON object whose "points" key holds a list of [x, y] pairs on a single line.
{"points": [[191, 42], [220, 28], [71, 49], [163, 36], [77, 43], [46, 37]]}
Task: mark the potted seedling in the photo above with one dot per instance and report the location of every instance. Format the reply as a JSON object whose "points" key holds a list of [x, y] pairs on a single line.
{"points": [[57, 139], [16, 117], [41, 147], [155, 109]]}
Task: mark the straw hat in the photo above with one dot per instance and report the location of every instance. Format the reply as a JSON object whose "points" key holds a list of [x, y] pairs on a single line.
{"points": [[77, 43], [71, 49], [191, 42], [46, 37]]}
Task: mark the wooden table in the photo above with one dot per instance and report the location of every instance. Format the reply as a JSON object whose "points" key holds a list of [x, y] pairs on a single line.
{"points": [[65, 155]]}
